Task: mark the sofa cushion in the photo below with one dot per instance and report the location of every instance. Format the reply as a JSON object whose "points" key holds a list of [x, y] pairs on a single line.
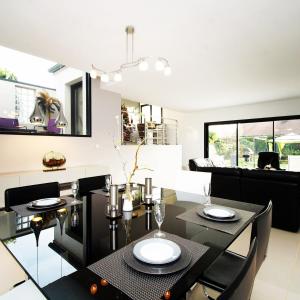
{"points": [[224, 186], [285, 176], [203, 162], [221, 171]]}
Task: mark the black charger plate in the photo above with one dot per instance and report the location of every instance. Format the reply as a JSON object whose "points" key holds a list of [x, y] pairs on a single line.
{"points": [[203, 215], [181, 263], [32, 207]]}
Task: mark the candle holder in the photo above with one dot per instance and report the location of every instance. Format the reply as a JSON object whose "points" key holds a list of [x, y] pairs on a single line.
{"points": [[112, 209], [148, 192]]}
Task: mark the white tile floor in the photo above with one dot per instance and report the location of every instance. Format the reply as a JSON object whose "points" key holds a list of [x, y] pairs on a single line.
{"points": [[279, 275]]}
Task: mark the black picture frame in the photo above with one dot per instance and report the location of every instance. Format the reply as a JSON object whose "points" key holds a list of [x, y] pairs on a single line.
{"points": [[88, 83]]}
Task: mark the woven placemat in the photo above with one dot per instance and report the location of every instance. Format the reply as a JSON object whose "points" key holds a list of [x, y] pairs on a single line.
{"points": [[192, 216], [140, 286], [23, 211]]}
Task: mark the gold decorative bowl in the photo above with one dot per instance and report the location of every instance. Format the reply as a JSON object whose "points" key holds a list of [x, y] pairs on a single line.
{"points": [[54, 161]]}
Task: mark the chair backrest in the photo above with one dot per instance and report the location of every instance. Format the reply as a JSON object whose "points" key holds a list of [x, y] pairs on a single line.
{"points": [[261, 230], [268, 158], [242, 285], [25, 194], [192, 182], [88, 184]]}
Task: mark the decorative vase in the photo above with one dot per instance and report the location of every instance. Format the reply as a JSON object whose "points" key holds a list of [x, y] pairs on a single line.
{"points": [[127, 222]]}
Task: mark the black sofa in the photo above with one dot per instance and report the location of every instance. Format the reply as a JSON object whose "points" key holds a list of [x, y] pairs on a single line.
{"points": [[258, 187]]}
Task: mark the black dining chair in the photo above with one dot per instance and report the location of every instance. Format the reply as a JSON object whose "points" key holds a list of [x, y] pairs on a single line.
{"points": [[242, 285], [268, 158], [225, 268], [26, 194], [88, 184]]}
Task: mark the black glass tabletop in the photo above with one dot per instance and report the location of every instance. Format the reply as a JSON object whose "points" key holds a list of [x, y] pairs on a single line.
{"points": [[55, 252]]}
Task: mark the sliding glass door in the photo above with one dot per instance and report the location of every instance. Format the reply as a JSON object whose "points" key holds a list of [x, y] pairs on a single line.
{"points": [[253, 138], [222, 144], [238, 143], [287, 139]]}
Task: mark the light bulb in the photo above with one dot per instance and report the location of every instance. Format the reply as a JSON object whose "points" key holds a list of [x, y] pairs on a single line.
{"points": [[93, 74], [118, 77], [104, 77], [167, 71], [159, 65], [143, 65]]}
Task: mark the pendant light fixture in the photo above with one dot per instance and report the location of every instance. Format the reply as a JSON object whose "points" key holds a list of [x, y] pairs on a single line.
{"points": [[61, 121], [161, 64], [36, 117]]}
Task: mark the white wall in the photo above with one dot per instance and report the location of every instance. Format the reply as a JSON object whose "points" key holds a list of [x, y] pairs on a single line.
{"points": [[164, 161], [193, 124]]}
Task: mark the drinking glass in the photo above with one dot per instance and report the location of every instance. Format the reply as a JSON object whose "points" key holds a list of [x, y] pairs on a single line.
{"points": [[74, 187], [159, 213], [207, 191], [107, 182], [75, 218]]}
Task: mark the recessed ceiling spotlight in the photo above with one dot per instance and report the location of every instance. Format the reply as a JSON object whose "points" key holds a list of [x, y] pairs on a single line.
{"points": [[167, 71], [118, 77], [143, 65], [94, 73], [104, 77]]}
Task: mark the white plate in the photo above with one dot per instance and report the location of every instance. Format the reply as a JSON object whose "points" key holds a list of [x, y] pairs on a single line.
{"points": [[156, 251], [219, 212], [46, 202]]}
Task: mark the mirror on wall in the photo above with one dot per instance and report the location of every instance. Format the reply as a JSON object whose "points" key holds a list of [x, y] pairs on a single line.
{"points": [[42, 97]]}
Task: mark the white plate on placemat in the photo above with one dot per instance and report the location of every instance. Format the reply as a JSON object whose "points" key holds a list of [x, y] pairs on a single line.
{"points": [[200, 212], [156, 251], [46, 202], [219, 212]]}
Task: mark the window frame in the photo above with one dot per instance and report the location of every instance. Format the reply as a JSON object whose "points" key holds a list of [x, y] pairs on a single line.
{"points": [[241, 121]]}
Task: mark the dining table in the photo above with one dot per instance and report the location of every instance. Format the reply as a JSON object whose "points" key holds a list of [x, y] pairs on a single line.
{"points": [[77, 252]]}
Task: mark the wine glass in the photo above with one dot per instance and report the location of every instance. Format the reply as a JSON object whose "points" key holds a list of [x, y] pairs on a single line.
{"points": [[159, 213], [107, 182], [75, 218], [74, 187], [207, 191]]}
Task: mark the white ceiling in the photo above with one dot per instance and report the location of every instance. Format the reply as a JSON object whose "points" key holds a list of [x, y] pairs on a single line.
{"points": [[221, 52]]}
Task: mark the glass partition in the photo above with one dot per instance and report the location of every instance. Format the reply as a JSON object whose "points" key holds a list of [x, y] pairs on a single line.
{"points": [[42, 97]]}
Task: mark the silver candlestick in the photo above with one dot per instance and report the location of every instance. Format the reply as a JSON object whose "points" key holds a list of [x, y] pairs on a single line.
{"points": [[148, 190], [113, 207]]}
